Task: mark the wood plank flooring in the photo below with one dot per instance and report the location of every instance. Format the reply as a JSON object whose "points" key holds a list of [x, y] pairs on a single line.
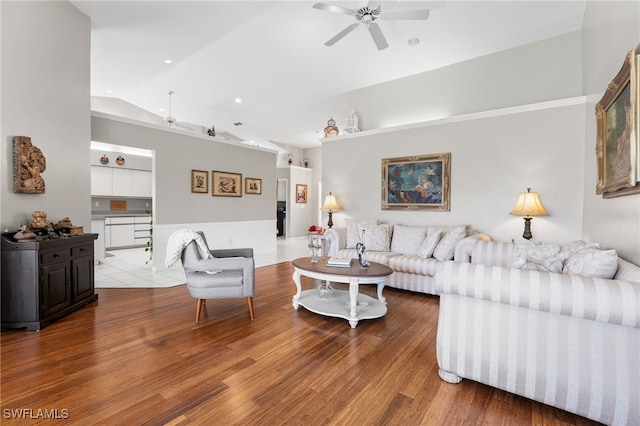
{"points": [[136, 357]]}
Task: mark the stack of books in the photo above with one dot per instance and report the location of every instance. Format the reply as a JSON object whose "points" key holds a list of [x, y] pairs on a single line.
{"points": [[342, 262]]}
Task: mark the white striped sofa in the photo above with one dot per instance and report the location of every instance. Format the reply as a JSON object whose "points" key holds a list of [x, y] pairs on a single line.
{"points": [[569, 341], [410, 272]]}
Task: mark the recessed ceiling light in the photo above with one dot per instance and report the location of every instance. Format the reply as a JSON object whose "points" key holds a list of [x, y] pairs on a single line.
{"points": [[109, 91], [168, 61], [238, 100], [414, 41], [161, 109], [238, 123]]}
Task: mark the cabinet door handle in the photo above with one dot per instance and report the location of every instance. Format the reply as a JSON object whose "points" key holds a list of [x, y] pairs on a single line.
{"points": [[82, 249], [56, 255]]}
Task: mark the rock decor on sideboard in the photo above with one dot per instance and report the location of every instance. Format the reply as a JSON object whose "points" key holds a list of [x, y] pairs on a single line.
{"points": [[41, 229], [28, 164]]}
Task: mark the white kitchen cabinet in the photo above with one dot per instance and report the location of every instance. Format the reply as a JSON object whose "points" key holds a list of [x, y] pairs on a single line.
{"points": [[140, 183], [101, 181], [122, 182]]}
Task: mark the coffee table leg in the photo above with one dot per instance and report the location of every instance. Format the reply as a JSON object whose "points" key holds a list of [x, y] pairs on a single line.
{"points": [[296, 297], [381, 285], [353, 301]]}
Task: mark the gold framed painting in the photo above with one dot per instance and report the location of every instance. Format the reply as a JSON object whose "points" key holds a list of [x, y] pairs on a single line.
{"points": [[417, 182], [617, 138], [252, 186], [301, 193], [199, 181], [226, 184]]}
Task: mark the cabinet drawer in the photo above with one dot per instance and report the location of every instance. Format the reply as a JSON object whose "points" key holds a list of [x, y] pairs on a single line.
{"points": [[81, 251], [55, 256], [122, 220]]}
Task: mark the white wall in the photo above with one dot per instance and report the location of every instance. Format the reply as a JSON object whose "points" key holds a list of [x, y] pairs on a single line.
{"points": [[244, 221], [493, 159], [45, 95], [611, 29]]}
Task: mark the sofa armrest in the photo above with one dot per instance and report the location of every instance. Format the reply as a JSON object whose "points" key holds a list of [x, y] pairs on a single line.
{"points": [[462, 251], [336, 240], [597, 299]]}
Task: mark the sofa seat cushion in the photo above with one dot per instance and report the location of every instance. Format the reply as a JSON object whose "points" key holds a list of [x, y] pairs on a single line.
{"points": [[372, 256], [414, 264]]}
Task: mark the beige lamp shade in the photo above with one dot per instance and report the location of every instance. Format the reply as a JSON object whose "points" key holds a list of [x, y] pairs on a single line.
{"points": [[330, 204], [528, 205]]}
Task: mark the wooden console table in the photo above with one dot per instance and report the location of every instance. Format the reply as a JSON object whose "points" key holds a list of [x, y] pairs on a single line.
{"points": [[44, 281]]}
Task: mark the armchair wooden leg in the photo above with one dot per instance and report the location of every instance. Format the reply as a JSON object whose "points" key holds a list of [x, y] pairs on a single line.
{"points": [[250, 303], [199, 304]]}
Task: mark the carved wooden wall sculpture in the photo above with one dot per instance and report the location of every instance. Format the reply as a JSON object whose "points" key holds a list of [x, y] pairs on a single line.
{"points": [[28, 164]]}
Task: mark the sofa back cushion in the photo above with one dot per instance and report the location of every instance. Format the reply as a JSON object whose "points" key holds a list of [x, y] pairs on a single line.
{"points": [[430, 242], [376, 237], [407, 239], [447, 244], [353, 236]]}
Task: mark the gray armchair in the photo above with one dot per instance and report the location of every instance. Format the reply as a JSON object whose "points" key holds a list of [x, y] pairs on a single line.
{"points": [[231, 273]]}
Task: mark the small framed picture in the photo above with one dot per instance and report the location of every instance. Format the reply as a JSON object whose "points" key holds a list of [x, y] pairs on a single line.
{"points": [[225, 184], [252, 186], [199, 181], [301, 193]]}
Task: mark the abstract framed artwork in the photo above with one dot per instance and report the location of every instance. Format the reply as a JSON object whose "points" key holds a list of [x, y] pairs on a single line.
{"points": [[252, 186], [226, 184], [417, 182], [617, 136], [199, 181], [301, 193]]}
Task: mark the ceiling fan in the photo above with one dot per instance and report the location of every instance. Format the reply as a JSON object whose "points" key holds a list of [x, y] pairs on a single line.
{"points": [[367, 15], [173, 123]]}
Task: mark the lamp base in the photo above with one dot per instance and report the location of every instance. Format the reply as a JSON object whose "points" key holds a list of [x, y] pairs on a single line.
{"points": [[330, 223], [527, 228]]}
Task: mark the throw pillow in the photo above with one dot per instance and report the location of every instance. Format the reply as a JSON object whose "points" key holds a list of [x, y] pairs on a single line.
{"points": [[592, 262], [569, 249], [539, 257], [407, 239], [353, 237], [429, 244], [376, 237], [447, 245]]}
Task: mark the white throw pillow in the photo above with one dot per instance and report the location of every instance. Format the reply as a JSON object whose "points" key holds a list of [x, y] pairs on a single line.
{"points": [[376, 237], [569, 249], [447, 245], [353, 237], [539, 257], [407, 239], [430, 242], [592, 262]]}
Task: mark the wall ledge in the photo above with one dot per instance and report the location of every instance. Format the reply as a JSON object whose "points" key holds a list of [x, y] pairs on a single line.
{"points": [[558, 103]]}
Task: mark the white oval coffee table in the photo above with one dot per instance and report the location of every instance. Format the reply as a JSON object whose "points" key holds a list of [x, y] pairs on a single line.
{"points": [[350, 305]]}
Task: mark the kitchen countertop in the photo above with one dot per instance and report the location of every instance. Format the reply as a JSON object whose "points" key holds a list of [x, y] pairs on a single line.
{"points": [[98, 216]]}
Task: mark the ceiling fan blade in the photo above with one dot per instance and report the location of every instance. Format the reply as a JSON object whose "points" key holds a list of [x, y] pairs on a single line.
{"points": [[341, 34], [378, 37], [406, 14], [334, 9]]}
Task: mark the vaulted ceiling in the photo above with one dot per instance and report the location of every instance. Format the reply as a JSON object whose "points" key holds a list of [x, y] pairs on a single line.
{"points": [[272, 56]]}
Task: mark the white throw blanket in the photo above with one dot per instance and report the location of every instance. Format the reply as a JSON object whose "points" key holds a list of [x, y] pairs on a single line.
{"points": [[179, 240]]}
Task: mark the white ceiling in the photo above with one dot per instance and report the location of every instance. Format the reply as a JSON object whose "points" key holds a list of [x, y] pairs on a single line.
{"points": [[272, 56]]}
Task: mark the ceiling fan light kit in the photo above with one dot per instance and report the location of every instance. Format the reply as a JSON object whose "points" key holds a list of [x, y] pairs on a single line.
{"points": [[367, 16]]}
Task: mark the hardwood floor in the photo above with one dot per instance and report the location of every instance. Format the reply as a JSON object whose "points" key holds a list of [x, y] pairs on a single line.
{"points": [[137, 357]]}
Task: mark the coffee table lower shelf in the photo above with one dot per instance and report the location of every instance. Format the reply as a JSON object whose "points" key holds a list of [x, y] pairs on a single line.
{"points": [[338, 305]]}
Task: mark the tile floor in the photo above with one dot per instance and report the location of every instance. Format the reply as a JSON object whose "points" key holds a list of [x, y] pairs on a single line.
{"points": [[127, 269]]}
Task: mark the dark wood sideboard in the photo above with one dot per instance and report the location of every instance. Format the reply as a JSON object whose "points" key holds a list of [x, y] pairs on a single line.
{"points": [[44, 281]]}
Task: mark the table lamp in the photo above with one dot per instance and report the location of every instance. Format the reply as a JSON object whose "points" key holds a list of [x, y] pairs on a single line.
{"points": [[330, 205], [528, 205]]}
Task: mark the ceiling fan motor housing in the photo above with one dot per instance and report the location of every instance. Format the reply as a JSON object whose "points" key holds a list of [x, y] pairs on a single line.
{"points": [[366, 15]]}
